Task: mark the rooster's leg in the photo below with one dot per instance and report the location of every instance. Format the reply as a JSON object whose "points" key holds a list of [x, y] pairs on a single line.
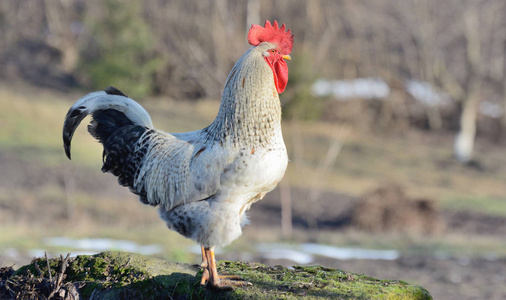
{"points": [[225, 282], [204, 265]]}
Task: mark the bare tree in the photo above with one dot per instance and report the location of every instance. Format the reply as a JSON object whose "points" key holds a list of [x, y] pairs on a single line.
{"points": [[455, 45], [464, 141], [63, 27]]}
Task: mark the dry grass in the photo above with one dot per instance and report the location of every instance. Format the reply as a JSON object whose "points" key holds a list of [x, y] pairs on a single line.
{"points": [[420, 161]]}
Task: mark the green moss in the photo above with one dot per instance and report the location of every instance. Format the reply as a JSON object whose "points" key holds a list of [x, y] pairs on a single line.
{"points": [[315, 282], [119, 275]]}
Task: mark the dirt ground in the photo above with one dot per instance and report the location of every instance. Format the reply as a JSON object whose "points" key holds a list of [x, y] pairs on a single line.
{"points": [[446, 277], [479, 276]]}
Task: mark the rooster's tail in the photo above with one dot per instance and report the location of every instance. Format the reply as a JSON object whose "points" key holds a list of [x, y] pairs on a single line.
{"points": [[112, 112]]}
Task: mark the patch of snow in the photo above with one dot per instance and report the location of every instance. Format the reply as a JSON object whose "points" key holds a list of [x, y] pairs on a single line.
{"points": [[491, 109], [282, 251], [363, 88], [76, 253], [304, 253], [100, 245], [349, 253], [376, 88], [424, 93], [36, 252], [11, 252]]}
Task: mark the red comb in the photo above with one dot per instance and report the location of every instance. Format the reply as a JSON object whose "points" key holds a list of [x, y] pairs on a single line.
{"points": [[272, 34]]}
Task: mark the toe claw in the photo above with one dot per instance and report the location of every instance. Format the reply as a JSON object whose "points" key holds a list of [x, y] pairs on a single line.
{"points": [[205, 277], [228, 285], [231, 277]]}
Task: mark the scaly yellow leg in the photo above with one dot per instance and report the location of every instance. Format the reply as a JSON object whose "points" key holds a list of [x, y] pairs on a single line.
{"points": [[204, 265], [212, 279]]}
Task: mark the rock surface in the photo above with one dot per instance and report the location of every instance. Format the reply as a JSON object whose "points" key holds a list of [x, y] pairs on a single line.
{"points": [[121, 275]]}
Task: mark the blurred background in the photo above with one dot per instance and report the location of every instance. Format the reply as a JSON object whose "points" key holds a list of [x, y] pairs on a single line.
{"points": [[394, 120]]}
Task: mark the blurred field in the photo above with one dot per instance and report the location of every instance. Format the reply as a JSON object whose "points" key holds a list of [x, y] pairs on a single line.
{"points": [[371, 149], [35, 166], [44, 195]]}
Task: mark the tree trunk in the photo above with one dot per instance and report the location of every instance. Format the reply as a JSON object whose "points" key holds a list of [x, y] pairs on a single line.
{"points": [[502, 128], [464, 141]]}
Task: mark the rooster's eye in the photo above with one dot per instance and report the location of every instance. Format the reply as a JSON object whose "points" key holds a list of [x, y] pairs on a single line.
{"points": [[273, 50]]}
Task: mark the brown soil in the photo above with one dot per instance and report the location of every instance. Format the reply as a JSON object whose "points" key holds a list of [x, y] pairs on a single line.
{"points": [[389, 210]]}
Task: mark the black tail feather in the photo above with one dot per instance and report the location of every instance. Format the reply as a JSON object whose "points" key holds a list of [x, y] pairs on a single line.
{"points": [[123, 154], [72, 120], [106, 122], [118, 124], [114, 91], [120, 137]]}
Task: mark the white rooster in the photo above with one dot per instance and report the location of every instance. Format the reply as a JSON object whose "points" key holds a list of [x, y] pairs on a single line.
{"points": [[202, 181]]}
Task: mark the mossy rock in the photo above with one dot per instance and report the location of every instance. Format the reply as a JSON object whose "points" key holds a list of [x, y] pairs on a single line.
{"points": [[121, 275]]}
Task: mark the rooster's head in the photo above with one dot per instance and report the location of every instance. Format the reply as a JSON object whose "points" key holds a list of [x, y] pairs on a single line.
{"points": [[280, 44]]}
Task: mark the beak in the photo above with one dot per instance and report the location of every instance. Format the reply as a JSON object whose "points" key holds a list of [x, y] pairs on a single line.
{"points": [[287, 57]]}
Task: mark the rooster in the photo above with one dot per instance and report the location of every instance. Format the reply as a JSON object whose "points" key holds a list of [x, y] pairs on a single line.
{"points": [[203, 181]]}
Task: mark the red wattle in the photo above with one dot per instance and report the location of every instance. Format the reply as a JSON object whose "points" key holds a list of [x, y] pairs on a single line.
{"points": [[280, 71]]}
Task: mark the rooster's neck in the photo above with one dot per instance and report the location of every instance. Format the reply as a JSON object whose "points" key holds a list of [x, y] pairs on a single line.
{"points": [[250, 110]]}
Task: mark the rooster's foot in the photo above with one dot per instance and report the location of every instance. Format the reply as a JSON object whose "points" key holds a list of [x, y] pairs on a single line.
{"points": [[227, 283], [210, 277]]}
